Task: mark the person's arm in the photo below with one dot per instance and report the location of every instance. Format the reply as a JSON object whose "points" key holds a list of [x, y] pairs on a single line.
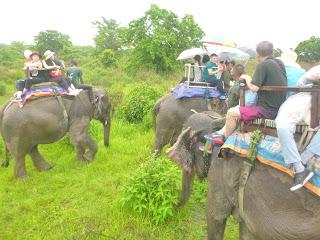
{"points": [[81, 79], [45, 65], [248, 80], [211, 72], [258, 78]]}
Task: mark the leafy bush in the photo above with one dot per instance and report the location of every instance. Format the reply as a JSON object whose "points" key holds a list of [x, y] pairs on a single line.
{"points": [[108, 57], [138, 103], [153, 190], [2, 89]]}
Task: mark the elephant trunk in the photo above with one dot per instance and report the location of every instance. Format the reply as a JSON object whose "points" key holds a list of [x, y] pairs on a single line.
{"points": [[106, 133]]}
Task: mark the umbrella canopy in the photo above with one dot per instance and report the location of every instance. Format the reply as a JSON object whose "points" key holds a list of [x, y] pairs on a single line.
{"points": [[249, 50], [227, 52], [190, 53], [219, 41]]}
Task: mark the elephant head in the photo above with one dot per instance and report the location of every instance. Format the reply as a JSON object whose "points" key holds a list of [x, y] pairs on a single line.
{"points": [[103, 112], [185, 152]]}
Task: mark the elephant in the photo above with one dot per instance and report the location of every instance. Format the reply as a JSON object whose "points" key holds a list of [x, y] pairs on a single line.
{"points": [[198, 122], [46, 120], [170, 114], [270, 210]]}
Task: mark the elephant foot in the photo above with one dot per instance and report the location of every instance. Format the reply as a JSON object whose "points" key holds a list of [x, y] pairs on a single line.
{"points": [[45, 167], [88, 156], [22, 177], [155, 154], [5, 164]]}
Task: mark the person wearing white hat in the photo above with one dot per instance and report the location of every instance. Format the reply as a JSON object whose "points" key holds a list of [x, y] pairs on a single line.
{"points": [[48, 62], [293, 69]]}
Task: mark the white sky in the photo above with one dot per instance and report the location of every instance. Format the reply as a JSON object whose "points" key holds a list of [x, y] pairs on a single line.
{"points": [[246, 22]]}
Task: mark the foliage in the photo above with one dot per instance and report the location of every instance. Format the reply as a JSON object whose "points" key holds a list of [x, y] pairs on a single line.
{"points": [[3, 89], [277, 52], [108, 36], [309, 50], [12, 54], [138, 103], [51, 40], [78, 53], [108, 57], [254, 141], [158, 37], [152, 190]]}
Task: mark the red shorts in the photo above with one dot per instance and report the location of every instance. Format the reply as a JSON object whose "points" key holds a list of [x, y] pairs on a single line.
{"points": [[249, 113]]}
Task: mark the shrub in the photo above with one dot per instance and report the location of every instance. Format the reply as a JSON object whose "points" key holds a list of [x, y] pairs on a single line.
{"points": [[108, 58], [138, 103], [2, 89], [153, 190]]}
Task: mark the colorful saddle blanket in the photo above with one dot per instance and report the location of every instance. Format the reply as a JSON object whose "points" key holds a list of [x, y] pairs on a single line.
{"points": [[269, 153], [183, 90], [43, 91]]}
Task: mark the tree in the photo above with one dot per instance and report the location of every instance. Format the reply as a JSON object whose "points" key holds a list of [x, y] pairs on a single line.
{"points": [[277, 52], [309, 50], [52, 40], [108, 36], [159, 36]]}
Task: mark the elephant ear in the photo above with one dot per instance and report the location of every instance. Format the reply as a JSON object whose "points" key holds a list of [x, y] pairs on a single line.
{"points": [[181, 151]]}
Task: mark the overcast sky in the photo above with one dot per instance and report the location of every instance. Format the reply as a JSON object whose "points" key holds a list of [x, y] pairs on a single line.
{"points": [[245, 22]]}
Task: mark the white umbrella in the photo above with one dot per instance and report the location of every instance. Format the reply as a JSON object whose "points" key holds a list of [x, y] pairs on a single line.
{"points": [[190, 53], [235, 53]]}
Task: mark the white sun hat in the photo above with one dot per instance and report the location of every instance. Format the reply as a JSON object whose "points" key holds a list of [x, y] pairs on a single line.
{"points": [[48, 54], [27, 53]]}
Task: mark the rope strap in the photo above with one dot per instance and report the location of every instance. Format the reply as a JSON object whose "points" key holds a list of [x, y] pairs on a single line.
{"points": [[245, 173]]}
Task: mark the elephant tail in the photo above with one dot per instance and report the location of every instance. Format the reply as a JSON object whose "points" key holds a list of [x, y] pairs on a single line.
{"points": [[155, 112], [5, 161]]}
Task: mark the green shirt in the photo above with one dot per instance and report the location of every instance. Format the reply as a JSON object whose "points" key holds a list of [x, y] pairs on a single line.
{"points": [[75, 74], [225, 78], [234, 95], [205, 73], [269, 73]]}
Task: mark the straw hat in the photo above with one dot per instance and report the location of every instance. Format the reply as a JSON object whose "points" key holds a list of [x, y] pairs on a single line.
{"points": [[48, 54]]}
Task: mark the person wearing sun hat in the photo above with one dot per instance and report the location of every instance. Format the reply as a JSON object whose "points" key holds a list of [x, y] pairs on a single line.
{"points": [[293, 69]]}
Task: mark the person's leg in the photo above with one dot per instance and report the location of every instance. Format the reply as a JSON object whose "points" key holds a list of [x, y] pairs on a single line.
{"points": [[19, 86], [291, 155], [62, 82], [288, 145], [232, 118], [30, 81], [312, 149]]}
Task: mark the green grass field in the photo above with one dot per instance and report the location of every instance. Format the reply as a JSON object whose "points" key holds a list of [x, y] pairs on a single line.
{"points": [[75, 200]]}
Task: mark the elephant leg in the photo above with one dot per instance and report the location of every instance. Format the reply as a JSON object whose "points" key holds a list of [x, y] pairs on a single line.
{"points": [[244, 233], [92, 148], [187, 183], [20, 166], [216, 229], [218, 208], [162, 137], [82, 140], [174, 136], [38, 160], [5, 162]]}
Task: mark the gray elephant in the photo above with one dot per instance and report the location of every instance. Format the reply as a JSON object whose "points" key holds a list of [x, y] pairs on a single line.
{"points": [[48, 119], [170, 114], [199, 122], [270, 210]]}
